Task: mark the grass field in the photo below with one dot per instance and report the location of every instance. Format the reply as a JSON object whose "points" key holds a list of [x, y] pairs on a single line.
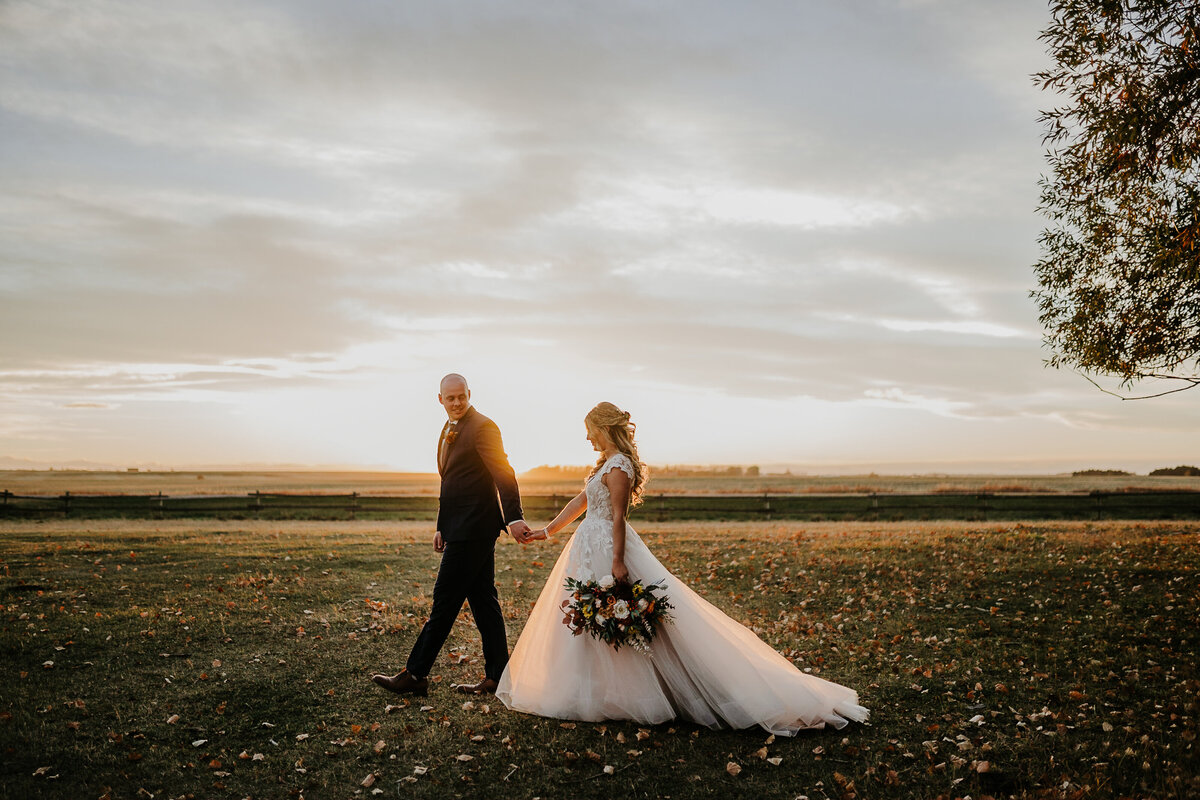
{"points": [[212, 659]]}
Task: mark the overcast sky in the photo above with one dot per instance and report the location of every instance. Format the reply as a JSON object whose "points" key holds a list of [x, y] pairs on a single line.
{"points": [[776, 232]]}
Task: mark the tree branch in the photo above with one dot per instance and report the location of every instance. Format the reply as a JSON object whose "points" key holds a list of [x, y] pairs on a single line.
{"points": [[1192, 383]]}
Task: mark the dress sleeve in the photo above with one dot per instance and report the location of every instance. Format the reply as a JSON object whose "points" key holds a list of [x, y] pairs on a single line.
{"points": [[621, 461]]}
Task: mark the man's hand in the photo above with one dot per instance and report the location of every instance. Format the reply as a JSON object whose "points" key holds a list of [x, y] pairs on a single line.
{"points": [[439, 546], [540, 533], [519, 531]]}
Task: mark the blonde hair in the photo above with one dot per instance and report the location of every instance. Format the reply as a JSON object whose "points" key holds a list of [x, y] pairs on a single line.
{"points": [[615, 422]]}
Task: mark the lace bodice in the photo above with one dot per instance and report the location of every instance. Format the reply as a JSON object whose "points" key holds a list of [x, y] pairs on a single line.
{"points": [[598, 497], [591, 554]]}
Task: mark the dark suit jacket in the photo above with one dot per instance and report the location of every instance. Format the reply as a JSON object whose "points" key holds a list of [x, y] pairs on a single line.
{"points": [[479, 494]]}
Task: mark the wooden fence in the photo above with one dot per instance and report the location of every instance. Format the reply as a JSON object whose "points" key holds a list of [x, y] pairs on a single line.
{"points": [[662, 507]]}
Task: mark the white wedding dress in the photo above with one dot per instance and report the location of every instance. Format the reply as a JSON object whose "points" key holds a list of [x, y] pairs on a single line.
{"points": [[702, 666]]}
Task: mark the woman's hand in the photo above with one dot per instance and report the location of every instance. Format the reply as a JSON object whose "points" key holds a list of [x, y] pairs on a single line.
{"points": [[539, 533], [619, 572]]}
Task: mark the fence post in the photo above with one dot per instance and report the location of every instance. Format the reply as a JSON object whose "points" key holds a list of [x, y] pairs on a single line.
{"points": [[353, 503], [257, 502], [767, 504], [7, 494], [983, 506], [66, 498]]}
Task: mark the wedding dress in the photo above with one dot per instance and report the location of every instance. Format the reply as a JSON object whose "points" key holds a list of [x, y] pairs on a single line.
{"points": [[702, 666]]}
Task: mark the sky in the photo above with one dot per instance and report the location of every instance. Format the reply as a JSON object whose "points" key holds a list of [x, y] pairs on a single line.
{"points": [[779, 233]]}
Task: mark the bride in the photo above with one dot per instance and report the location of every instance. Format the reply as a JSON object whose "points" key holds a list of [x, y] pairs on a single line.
{"points": [[702, 666]]}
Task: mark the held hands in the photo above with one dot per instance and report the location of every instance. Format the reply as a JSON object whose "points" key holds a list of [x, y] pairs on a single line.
{"points": [[520, 531]]}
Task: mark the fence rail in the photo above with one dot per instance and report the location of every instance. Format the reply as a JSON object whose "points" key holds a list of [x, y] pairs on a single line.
{"points": [[662, 507]]}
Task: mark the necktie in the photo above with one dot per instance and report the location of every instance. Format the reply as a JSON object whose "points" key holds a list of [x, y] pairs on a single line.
{"points": [[445, 445]]}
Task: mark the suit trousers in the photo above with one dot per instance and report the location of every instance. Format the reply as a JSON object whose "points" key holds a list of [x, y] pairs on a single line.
{"points": [[467, 572]]}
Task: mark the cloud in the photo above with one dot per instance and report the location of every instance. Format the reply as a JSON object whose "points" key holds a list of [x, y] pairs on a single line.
{"points": [[220, 203]]}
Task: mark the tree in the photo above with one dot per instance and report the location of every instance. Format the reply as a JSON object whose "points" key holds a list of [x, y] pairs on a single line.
{"points": [[1119, 276]]}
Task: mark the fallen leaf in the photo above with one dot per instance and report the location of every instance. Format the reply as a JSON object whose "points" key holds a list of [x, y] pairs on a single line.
{"points": [[761, 752], [464, 757], [368, 781], [380, 746], [171, 720], [733, 769], [608, 770], [774, 761], [199, 742], [418, 770]]}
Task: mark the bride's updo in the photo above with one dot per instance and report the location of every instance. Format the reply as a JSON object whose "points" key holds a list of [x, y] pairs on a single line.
{"points": [[615, 422]]}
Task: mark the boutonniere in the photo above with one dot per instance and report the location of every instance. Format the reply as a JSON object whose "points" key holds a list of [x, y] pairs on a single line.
{"points": [[451, 435]]}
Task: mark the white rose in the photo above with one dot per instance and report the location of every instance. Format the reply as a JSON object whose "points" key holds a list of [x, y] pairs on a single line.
{"points": [[607, 582], [642, 604], [621, 609], [601, 619]]}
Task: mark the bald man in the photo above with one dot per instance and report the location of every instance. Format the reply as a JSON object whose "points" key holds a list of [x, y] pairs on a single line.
{"points": [[479, 494]]}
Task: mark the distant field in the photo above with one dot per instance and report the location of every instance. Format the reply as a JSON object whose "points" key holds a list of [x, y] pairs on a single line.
{"points": [[176, 658], [30, 482]]}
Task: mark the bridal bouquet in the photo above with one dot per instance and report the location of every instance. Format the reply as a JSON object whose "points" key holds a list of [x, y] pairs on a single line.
{"points": [[616, 612]]}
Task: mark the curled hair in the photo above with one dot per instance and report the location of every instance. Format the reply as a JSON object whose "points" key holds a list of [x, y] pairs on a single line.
{"points": [[615, 422]]}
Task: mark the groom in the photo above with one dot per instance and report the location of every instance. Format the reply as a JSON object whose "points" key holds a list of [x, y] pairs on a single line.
{"points": [[479, 494]]}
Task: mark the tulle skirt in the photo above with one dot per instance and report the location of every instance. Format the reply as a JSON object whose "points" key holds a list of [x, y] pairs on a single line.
{"points": [[703, 666]]}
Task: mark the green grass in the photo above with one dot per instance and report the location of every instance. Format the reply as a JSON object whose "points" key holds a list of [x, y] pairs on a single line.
{"points": [[1062, 655]]}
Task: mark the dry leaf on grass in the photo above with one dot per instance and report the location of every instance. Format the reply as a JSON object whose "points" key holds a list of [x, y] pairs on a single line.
{"points": [[733, 769]]}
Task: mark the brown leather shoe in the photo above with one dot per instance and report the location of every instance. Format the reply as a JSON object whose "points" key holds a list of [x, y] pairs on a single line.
{"points": [[485, 686], [403, 683]]}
